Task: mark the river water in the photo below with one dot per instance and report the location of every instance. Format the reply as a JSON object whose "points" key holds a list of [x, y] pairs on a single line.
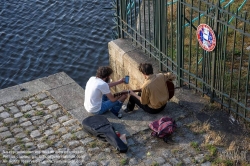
{"points": [[43, 37]]}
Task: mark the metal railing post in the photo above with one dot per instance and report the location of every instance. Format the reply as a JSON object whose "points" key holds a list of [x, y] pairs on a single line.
{"points": [[123, 15], [214, 54], [179, 43]]}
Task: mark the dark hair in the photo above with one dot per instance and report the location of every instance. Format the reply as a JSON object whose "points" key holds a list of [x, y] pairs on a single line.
{"points": [[146, 68], [104, 71]]}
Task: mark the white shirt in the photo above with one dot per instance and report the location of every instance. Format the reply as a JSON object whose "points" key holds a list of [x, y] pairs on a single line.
{"points": [[94, 90]]}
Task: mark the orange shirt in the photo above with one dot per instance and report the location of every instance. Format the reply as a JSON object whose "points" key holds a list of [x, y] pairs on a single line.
{"points": [[154, 90]]}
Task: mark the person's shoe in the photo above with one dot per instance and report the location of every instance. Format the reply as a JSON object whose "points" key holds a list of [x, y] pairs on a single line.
{"points": [[119, 115], [127, 110]]}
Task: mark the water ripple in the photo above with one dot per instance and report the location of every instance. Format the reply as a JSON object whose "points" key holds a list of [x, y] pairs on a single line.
{"points": [[43, 37]]}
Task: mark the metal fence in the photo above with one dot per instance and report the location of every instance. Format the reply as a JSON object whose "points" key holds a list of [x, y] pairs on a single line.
{"points": [[167, 31]]}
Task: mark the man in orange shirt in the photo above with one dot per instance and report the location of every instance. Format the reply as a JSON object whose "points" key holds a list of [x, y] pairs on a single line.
{"points": [[154, 92]]}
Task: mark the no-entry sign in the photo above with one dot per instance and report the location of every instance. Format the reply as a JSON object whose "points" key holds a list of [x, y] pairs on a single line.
{"points": [[206, 37]]}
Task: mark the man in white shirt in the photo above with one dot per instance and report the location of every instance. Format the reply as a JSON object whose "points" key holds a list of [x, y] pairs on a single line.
{"points": [[98, 97]]}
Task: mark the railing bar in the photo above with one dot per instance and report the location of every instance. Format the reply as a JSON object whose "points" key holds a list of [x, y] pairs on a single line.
{"points": [[149, 23], [190, 44], [247, 79]]}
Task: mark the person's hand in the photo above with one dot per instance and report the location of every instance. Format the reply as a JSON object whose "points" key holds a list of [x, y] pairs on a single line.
{"points": [[121, 80], [132, 92]]}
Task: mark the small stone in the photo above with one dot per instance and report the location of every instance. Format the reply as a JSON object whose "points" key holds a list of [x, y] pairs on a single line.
{"points": [[133, 161], [105, 162], [22, 119], [108, 150], [25, 124], [26, 139], [17, 130], [26, 108], [4, 115], [35, 134], [14, 110], [42, 146], [21, 103], [56, 125], [20, 135], [39, 108], [31, 112], [47, 102], [29, 128], [16, 148], [3, 129], [62, 130], [206, 164], [199, 157], [1, 108], [53, 107], [73, 144], [59, 144], [63, 118], [32, 99], [41, 96], [5, 134], [86, 141], [43, 127], [74, 128], [93, 163], [174, 161], [57, 113], [35, 118], [17, 115], [48, 132], [51, 121], [29, 144], [38, 122], [33, 103], [47, 117], [96, 149], [67, 136], [52, 137], [79, 149], [48, 151], [69, 122], [80, 134], [9, 120], [187, 160], [85, 158], [160, 160]]}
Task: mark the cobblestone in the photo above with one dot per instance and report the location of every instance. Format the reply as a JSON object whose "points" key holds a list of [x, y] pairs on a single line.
{"points": [[14, 109], [9, 120], [48, 135], [35, 134], [4, 115], [5, 134]]}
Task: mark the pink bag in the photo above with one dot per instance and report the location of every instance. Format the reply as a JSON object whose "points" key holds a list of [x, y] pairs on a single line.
{"points": [[163, 127]]}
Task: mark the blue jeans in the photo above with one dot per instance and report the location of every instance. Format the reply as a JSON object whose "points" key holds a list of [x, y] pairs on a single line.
{"points": [[114, 107]]}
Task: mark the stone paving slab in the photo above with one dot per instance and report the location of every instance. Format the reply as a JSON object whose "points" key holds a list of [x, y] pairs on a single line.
{"points": [[42, 126]]}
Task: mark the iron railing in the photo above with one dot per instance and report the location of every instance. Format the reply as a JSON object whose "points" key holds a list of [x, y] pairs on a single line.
{"points": [[166, 31]]}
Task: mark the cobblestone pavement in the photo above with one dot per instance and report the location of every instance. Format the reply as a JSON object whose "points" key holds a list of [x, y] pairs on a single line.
{"points": [[36, 130]]}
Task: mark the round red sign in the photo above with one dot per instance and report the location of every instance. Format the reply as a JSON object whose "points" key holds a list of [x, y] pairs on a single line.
{"points": [[206, 37]]}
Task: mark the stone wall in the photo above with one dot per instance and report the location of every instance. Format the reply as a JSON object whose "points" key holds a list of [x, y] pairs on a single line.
{"points": [[124, 59]]}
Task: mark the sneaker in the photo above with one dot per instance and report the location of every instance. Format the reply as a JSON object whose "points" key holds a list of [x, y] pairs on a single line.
{"points": [[127, 110], [119, 115]]}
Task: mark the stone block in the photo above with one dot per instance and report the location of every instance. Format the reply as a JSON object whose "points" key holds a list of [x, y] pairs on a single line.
{"points": [[21, 103], [4, 115], [35, 134], [5, 134]]}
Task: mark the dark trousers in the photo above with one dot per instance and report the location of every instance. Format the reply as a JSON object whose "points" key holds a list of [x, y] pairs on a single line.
{"points": [[133, 100]]}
